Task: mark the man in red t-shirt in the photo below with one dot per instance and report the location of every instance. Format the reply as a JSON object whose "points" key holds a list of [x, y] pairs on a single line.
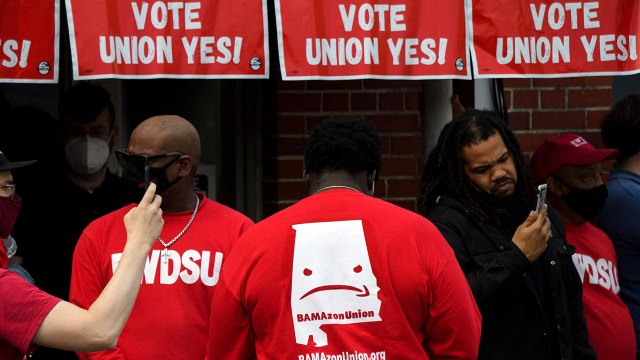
{"points": [[341, 273], [572, 169], [171, 316]]}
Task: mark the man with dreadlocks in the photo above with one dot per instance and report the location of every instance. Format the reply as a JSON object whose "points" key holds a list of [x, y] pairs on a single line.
{"points": [[477, 190]]}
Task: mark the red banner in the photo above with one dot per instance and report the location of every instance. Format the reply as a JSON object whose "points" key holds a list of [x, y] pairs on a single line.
{"points": [[29, 32], [555, 38], [168, 39], [334, 39]]}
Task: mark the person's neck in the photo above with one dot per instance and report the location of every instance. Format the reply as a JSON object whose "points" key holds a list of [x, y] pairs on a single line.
{"points": [[88, 182], [178, 199], [630, 164], [338, 181]]}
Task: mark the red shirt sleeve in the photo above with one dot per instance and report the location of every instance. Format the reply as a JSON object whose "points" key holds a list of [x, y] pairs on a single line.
{"points": [[23, 308], [235, 339]]}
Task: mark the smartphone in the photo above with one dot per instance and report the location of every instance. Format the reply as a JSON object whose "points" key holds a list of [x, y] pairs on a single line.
{"points": [[542, 197], [146, 177]]}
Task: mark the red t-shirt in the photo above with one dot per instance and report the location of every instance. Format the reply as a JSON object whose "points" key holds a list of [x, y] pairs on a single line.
{"points": [[608, 320], [170, 317], [343, 274], [23, 308]]}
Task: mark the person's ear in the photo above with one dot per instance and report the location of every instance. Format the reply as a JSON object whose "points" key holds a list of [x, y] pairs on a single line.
{"points": [[185, 164]]}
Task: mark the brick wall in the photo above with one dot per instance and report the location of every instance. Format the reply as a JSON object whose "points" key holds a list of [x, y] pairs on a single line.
{"points": [[540, 108], [391, 106]]}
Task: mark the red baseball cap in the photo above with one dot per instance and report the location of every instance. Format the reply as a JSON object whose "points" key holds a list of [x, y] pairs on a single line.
{"points": [[565, 149]]}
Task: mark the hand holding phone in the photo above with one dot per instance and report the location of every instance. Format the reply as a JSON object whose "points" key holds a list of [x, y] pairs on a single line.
{"points": [[542, 197]]}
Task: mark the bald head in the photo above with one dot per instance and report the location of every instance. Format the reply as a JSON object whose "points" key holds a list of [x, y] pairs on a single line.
{"points": [[166, 133]]}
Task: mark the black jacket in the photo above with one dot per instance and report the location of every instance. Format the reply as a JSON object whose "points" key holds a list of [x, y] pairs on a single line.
{"points": [[507, 288]]}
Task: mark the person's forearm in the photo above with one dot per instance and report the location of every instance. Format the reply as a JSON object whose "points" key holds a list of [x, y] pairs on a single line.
{"points": [[108, 314], [70, 327]]}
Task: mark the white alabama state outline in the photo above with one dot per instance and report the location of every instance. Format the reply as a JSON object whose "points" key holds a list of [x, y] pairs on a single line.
{"points": [[332, 280]]}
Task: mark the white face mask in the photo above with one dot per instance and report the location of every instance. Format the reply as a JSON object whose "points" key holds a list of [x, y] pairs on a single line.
{"points": [[86, 154]]}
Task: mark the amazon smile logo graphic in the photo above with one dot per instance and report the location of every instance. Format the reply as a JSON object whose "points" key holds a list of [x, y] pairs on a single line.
{"points": [[332, 280], [365, 291]]}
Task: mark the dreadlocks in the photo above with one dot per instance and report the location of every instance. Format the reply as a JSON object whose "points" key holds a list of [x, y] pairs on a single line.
{"points": [[444, 169]]}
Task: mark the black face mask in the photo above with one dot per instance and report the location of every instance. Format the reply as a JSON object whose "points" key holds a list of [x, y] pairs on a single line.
{"points": [[586, 203], [158, 176]]}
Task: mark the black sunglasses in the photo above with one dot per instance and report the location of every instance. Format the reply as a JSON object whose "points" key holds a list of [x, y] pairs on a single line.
{"points": [[125, 159]]}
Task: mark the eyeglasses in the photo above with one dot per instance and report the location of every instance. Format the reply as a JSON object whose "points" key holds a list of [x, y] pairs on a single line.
{"points": [[125, 159], [9, 189]]}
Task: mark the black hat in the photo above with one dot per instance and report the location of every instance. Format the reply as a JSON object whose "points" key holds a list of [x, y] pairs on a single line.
{"points": [[6, 165]]}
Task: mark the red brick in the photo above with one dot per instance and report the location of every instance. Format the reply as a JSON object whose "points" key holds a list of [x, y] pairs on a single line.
{"points": [[407, 144], [286, 146], [530, 141], [380, 190], [560, 82], [525, 99], [299, 102], [394, 166], [595, 118], [313, 120], [519, 120], [553, 99], [508, 99], [334, 85], [517, 83], [335, 102], [403, 187], [391, 84], [290, 169], [385, 144], [600, 81], [391, 101], [364, 101], [590, 98], [290, 124], [395, 123], [412, 100], [558, 120]]}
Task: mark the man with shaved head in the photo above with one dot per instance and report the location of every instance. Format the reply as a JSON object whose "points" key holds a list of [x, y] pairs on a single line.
{"points": [[171, 315]]}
